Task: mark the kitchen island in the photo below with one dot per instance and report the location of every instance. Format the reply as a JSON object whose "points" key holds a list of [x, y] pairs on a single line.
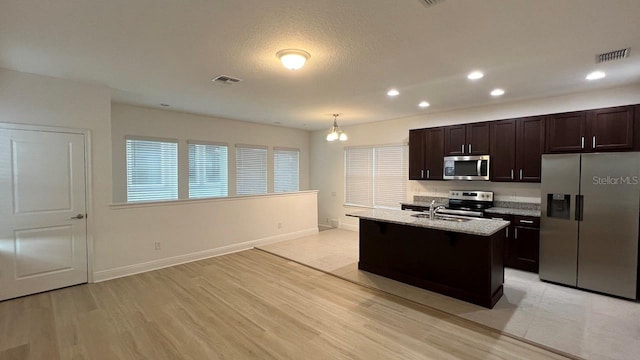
{"points": [[461, 258]]}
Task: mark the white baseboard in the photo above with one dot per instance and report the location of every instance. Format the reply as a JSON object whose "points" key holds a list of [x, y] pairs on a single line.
{"points": [[109, 274], [349, 227], [324, 227]]}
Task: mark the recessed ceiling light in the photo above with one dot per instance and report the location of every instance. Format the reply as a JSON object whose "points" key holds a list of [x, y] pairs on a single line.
{"points": [[596, 75], [424, 104], [393, 92], [475, 75], [497, 92]]}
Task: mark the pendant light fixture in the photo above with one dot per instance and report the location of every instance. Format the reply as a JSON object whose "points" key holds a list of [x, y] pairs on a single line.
{"points": [[335, 133]]}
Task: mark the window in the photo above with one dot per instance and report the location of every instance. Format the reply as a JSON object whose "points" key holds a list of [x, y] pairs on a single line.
{"points": [[152, 169], [376, 176], [208, 175], [251, 169], [286, 173]]}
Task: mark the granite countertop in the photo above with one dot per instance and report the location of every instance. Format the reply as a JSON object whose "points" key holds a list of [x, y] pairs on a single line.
{"points": [[513, 211], [476, 226]]}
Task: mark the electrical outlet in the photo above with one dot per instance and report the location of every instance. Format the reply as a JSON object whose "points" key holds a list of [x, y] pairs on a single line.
{"points": [[157, 245], [333, 193], [279, 225]]}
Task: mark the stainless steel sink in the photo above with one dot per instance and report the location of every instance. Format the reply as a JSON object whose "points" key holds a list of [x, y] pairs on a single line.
{"points": [[442, 217]]}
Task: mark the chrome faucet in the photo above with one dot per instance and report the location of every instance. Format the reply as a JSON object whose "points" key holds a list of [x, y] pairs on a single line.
{"points": [[433, 209]]}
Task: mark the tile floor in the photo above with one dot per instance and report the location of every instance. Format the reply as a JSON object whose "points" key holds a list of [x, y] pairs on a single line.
{"points": [[580, 323]]}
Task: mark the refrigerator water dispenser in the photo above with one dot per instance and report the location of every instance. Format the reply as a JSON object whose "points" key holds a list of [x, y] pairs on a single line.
{"points": [[558, 206]]}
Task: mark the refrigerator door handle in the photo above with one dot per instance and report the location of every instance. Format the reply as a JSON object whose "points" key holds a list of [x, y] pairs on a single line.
{"points": [[579, 207]]}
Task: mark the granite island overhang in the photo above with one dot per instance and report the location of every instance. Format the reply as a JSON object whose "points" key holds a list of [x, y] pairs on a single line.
{"points": [[463, 259]]}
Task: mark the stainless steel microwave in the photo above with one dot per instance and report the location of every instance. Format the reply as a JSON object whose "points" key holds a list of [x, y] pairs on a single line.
{"points": [[466, 167]]}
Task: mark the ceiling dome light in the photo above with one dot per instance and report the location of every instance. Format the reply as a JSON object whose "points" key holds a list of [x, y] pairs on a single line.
{"points": [[293, 59], [335, 133], [424, 104], [596, 75], [497, 92], [393, 92], [475, 75]]}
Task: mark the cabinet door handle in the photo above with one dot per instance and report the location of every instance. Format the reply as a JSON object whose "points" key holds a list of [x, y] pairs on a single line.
{"points": [[469, 148], [515, 233], [511, 174], [520, 174], [526, 221], [463, 148], [507, 231], [428, 173], [593, 142], [421, 173], [582, 142]]}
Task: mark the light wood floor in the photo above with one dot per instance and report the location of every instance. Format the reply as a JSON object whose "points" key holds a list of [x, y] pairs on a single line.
{"points": [[248, 305]]}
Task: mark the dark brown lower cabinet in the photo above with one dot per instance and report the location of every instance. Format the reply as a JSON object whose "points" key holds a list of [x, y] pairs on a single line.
{"points": [[522, 245], [464, 266]]}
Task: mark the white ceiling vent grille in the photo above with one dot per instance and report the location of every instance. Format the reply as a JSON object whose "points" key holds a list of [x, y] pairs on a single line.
{"points": [[430, 2], [224, 79], [612, 55]]}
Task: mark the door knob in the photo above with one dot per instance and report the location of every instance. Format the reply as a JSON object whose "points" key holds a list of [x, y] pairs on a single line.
{"points": [[77, 217]]}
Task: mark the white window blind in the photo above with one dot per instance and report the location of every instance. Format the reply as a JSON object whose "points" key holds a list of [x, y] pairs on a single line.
{"points": [[390, 176], [208, 174], [376, 176], [358, 180], [286, 172], [251, 170], [152, 170]]}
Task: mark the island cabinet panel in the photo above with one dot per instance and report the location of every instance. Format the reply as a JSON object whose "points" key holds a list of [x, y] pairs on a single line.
{"points": [[464, 266], [469, 139], [426, 154]]}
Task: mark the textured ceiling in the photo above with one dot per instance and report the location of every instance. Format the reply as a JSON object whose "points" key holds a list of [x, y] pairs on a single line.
{"points": [[166, 51]]}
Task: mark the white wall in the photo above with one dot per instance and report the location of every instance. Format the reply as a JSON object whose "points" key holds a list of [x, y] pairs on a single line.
{"points": [[194, 229], [327, 159], [124, 236], [141, 121]]}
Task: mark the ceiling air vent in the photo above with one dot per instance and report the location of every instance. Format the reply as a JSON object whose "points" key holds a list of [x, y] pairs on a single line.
{"points": [[430, 2], [224, 79], [612, 55]]}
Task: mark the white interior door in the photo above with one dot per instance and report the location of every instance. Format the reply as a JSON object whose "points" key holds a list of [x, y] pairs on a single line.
{"points": [[42, 211]]}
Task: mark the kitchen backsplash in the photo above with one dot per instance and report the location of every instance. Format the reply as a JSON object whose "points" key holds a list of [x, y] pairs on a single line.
{"points": [[503, 192]]}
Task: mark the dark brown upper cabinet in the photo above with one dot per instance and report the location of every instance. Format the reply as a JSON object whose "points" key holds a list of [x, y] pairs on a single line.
{"points": [[609, 129], [516, 149], [426, 154], [566, 132], [469, 139]]}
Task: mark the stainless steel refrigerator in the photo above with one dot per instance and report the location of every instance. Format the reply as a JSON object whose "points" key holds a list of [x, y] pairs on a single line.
{"points": [[589, 223]]}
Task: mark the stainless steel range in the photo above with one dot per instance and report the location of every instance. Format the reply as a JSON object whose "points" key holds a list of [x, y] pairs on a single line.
{"points": [[468, 203]]}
